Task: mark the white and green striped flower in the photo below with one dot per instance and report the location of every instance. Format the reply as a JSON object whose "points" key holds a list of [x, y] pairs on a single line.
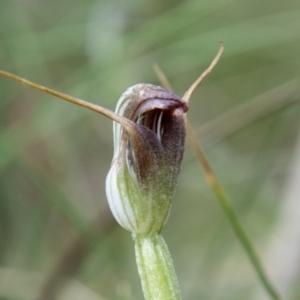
{"points": [[147, 157]]}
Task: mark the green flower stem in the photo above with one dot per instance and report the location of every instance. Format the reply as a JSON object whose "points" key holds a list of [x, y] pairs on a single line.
{"points": [[231, 215], [156, 268]]}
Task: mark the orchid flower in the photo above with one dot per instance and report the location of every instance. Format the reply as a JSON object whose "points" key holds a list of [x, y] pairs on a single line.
{"points": [[149, 134]]}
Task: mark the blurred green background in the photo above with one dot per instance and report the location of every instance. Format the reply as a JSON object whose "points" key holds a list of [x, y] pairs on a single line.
{"points": [[58, 239]]}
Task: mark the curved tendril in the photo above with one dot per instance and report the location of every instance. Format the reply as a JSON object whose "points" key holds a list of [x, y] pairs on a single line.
{"points": [[186, 97], [127, 124]]}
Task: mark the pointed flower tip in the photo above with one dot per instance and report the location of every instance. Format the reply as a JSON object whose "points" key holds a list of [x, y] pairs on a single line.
{"points": [[147, 158]]}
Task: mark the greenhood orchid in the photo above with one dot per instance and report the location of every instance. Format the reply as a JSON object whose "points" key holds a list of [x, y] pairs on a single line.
{"points": [[146, 163]]}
